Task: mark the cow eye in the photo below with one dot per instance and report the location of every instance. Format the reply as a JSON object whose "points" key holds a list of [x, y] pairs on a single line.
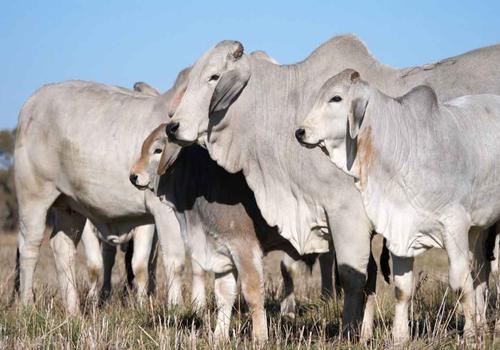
{"points": [[335, 98], [157, 151], [214, 77]]}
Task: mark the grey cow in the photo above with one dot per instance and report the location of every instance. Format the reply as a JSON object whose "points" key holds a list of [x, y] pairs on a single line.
{"points": [[75, 145], [255, 107], [427, 173]]}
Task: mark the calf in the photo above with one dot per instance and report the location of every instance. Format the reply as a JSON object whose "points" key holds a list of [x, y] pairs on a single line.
{"points": [[427, 173], [219, 219]]}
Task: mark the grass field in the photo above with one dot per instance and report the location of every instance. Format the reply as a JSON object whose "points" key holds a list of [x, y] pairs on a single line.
{"points": [[120, 323]]}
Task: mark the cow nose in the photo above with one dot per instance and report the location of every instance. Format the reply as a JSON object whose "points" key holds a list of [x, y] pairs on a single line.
{"points": [[172, 129], [133, 178], [299, 134]]}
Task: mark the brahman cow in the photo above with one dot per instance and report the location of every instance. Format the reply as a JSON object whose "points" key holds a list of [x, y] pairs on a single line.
{"points": [[427, 172], [245, 111], [219, 219], [75, 145]]}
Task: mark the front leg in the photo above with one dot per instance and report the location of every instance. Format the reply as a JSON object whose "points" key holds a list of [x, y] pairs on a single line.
{"points": [[351, 233], [173, 251], [225, 295], [403, 290], [143, 241]]}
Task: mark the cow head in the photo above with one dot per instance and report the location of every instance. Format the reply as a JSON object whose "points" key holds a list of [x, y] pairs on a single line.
{"points": [[214, 82], [336, 117], [156, 153]]}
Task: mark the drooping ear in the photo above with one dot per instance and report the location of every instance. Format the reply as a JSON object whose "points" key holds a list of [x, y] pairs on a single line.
{"points": [[354, 121], [176, 100], [168, 157], [230, 85], [356, 116], [351, 147]]}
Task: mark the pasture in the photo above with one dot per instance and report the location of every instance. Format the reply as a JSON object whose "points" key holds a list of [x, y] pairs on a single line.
{"points": [[120, 323]]}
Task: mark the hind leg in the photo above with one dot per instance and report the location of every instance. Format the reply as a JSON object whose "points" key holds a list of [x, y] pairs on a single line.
{"points": [[33, 209], [92, 248], [456, 241], [481, 269], [68, 228], [248, 261], [289, 271]]}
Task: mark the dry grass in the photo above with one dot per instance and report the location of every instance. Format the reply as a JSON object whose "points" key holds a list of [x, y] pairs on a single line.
{"points": [[122, 324]]}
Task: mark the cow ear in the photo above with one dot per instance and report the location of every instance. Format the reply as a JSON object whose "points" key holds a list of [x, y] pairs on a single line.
{"points": [[229, 86], [351, 147], [354, 121], [168, 157], [176, 100], [356, 116]]}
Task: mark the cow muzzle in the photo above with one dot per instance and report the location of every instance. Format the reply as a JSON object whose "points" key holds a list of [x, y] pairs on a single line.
{"points": [[139, 180], [171, 129]]}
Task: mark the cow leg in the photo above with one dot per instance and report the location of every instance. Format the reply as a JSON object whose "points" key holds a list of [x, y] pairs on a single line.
{"points": [[225, 295], [481, 269], [496, 278], [326, 266], [173, 251], [370, 290], [108, 258], [289, 271], [352, 242], [456, 241], [129, 255], [152, 263], [403, 290], [143, 241], [248, 261], [32, 221], [68, 229], [198, 293], [92, 249]]}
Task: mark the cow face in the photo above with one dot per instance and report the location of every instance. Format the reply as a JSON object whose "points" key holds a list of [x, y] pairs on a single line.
{"points": [[215, 81], [336, 116], [145, 168]]}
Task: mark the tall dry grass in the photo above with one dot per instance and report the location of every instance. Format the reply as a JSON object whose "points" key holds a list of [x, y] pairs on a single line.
{"points": [[120, 323]]}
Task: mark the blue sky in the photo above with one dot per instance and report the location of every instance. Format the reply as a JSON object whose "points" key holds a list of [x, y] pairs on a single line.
{"points": [[120, 42]]}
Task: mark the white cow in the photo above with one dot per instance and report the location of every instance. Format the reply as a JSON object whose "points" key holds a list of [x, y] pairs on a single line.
{"points": [[427, 173], [75, 145]]}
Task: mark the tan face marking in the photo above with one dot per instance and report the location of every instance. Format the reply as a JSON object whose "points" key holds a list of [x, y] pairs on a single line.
{"points": [[141, 164]]}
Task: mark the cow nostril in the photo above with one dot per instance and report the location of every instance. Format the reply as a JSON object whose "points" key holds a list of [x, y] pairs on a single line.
{"points": [[133, 178], [172, 128], [299, 134]]}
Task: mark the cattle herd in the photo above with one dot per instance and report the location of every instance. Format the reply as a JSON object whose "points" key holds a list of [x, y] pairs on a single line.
{"points": [[243, 156]]}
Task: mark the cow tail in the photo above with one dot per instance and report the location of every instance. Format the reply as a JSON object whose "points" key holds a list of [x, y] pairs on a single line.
{"points": [[384, 263]]}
